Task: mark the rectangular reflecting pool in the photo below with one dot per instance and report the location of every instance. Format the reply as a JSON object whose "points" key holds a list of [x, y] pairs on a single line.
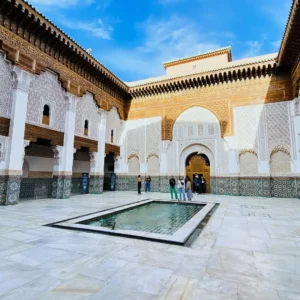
{"points": [[156, 217], [155, 220]]}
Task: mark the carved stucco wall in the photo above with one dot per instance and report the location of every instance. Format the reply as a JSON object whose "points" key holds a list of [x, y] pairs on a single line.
{"points": [[142, 138], [116, 124], [153, 165], [280, 163], [261, 128], [45, 89], [196, 128], [87, 110], [6, 83], [248, 163], [133, 165], [279, 126]]}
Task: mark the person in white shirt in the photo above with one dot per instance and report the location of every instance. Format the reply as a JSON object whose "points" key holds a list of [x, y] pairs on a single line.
{"points": [[181, 188]]}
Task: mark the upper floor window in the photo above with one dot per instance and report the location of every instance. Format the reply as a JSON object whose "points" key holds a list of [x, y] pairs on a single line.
{"points": [[112, 136], [86, 127], [46, 115]]}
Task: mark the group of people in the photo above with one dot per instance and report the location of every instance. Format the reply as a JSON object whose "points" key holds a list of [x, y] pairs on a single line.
{"points": [[147, 184], [183, 186]]}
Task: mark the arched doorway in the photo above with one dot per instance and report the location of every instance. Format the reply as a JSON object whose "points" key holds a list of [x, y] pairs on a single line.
{"points": [[198, 164]]}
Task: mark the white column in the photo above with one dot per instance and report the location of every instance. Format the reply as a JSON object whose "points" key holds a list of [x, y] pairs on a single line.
{"points": [[22, 81], [232, 162], [15, 140], [101, 142], [264, 167], [164, 158], [64, 155]]}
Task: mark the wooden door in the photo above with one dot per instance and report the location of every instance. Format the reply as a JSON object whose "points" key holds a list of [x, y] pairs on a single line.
{"points": [[197, 165]]}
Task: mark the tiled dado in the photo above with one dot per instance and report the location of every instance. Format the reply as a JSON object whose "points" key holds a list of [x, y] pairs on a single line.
{"points": [[36, 188], [281, 187], [96, 184], [130, 183], [9, 189]]}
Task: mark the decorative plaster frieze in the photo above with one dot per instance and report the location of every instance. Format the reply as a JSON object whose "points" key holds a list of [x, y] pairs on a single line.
{"points": [[21, 79]]}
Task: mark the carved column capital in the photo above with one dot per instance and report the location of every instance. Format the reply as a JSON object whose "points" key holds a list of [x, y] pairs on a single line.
{"points": [[93, 159], [165, 146], [21, 79], [57, 154], [26, 144], [71, 102]]}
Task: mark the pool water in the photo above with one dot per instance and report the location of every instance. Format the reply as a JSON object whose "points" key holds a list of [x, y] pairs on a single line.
{"points": [[155, 217]]}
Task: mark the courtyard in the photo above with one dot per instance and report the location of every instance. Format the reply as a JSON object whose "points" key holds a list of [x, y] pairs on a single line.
{"points": [[250, 249]]}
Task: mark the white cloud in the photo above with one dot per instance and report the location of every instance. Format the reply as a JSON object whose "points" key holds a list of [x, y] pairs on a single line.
{"points": [[163, 40], [60, 3], [253, 49], [95, 28]]}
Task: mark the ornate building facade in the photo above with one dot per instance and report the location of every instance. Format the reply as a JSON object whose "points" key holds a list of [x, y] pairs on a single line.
{"points": [[63, 114]]}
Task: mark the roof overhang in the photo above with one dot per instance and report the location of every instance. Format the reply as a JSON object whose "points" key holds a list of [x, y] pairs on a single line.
{"points": [[217, 52], [289, 53]]}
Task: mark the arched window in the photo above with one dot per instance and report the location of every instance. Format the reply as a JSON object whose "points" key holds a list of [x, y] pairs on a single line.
{"points": [[46, 115], [86, 127], [280, 163], [112, 136], [248, 163]]}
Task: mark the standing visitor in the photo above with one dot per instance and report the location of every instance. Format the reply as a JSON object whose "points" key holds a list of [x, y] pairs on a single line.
{"points": [[188, 190], [181, 190], [203, 185], [172, 184], [139, 184], [113, 182], [196, 184], [148, 184], [186, 179]]}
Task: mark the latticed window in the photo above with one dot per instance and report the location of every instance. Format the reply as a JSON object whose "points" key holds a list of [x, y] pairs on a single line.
{"points": [[86, 127], [112, 136], [46, 115], [200, 129], [211, 129], [190, 131]]}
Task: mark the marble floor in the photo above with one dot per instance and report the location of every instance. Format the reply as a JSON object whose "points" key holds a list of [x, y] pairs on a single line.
{"points": [[250, 249]]}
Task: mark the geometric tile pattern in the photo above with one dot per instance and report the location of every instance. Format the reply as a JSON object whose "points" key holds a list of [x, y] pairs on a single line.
{"points": [[281, 187], [61, 187], [36, 188]]}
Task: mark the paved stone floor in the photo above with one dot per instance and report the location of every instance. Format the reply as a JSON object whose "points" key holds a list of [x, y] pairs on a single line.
{"points": [[250, 249]]}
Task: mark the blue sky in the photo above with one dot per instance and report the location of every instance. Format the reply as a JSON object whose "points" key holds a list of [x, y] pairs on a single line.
{"points": [[134, 37]]}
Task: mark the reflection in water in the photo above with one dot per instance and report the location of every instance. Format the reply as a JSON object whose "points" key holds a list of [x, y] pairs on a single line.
{"points": [[156, 217]]}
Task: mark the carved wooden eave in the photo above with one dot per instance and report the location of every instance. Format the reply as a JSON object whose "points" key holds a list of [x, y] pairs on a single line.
{"points": [[86, 143], [34, 43], [225, 75], [289, 53], [109, 148], [32, 133]]}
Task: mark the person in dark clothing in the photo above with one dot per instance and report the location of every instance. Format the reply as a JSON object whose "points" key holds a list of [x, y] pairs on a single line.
{"points": [[196, 184], [187, 178], [148, 184], [172, 184], [203, 185], [113, 182], [200, 184], [139, 184]]}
